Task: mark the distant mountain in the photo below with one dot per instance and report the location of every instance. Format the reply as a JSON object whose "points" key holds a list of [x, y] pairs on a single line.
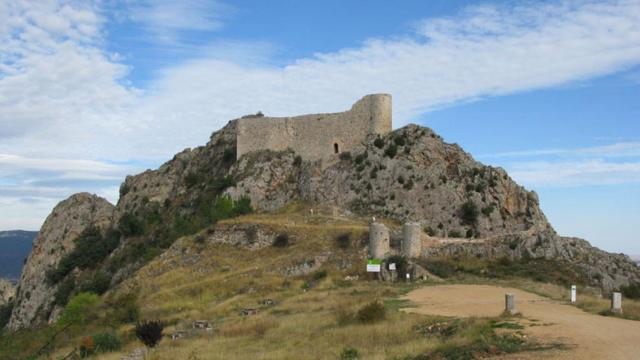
{"points": [[15, 245]]}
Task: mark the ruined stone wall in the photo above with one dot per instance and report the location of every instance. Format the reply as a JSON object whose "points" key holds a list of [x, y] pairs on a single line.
{"points": [[317, 136]]}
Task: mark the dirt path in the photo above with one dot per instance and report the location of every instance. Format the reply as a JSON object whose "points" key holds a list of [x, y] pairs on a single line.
{"points": [[589, 336]]}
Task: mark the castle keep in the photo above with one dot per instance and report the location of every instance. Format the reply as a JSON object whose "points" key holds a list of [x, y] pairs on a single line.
{"points": [[318, 136]]}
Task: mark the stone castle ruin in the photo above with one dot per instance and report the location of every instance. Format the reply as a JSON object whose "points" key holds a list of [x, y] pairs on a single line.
{"points": [[318, 136]]}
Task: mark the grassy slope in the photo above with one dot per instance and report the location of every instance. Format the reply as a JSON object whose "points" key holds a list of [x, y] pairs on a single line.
{"points": [[214, 282]]}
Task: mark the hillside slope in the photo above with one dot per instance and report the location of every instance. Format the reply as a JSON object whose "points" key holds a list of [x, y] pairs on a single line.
{"points": [[408, 174]]}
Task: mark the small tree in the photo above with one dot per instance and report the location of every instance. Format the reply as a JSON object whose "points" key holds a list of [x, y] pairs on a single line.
{"points": [[469, 213], [149, 332], [80, 309]]}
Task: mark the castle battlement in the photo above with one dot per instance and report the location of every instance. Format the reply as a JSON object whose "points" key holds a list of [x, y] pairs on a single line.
{"points": [[318, 136]]}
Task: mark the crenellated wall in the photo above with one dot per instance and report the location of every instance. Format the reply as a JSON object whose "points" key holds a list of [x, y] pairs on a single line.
{"points": [[316, 136]]}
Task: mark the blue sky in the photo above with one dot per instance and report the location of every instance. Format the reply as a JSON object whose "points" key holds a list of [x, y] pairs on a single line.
{"points": [[549, 90]]}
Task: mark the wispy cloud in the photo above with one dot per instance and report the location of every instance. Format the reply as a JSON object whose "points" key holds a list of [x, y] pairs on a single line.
{"points": [[167, 20], [624, 149], [617, 163]]}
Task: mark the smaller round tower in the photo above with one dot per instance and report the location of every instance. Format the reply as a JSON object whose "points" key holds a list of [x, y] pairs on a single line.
{"points": [[378, 241], [411, 241]]}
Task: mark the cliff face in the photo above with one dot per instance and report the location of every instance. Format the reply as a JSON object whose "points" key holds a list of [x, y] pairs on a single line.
{"points": [[409, 174], [34, 296]]}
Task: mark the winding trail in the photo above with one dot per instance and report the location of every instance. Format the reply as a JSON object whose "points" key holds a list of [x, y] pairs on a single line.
{"points": [[588, 336]]}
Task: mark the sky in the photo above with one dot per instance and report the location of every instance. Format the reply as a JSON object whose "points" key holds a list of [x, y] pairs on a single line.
{"points": [[91, 91]]}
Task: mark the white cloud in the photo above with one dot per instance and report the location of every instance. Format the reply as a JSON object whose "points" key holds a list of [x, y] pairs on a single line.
{"points": [[64, 96], [166, 19], [575, 173], [624, 149]]}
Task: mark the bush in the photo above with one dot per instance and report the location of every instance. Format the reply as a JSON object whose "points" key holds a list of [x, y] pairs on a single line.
{"points": [[281, 241], [441, 268], [429, 231], [345, 155], [229, 156], [371, 313], [487, 210], [125, 309], [469, 213], [349, 353], [130, 225], [90, 249], [99, 284], [391, 151], [5, 313], [632, 291], [399, 140], [81, 308], [149, 332], [343, 241], [124, 189], [297, 161], [106, 342], [222, 183], [378, 142], [191, 179], [455, 234], [64, 291]]}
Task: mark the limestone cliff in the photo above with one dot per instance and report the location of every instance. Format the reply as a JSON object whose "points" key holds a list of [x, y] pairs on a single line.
{"points": [[70, 218]]}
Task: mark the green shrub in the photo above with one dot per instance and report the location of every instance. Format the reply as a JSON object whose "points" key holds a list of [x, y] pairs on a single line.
{"points": [[99, 284], [89, 251], [80, 309], [408, 185], [281, 241], [222, 183], [455, 234], [439, 267], [106, 342], [149, 332], [378, 142], [360, 158], [124, 189], [487, 210], [297, 161], [346, 155], [191, 179], [229, 156], [371, 313], [124, 309], [469, 213], [5, 313], [130, 225], [391, 151], [243, 206], [632, 291], [401, 179], [399, 140], [349, 353], [429, 231], [343, 241], [64, 290]]}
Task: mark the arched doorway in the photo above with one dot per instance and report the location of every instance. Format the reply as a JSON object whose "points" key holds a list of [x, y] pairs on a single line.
{"points": [[336, 148]]}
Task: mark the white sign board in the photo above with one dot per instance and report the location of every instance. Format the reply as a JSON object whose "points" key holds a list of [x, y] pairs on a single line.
{"points": [[373, 265], [392, 266], [573, 293]]}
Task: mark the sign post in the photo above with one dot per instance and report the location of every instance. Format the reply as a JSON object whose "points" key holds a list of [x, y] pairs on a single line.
{"points": [[373, 265], [573, 293]]}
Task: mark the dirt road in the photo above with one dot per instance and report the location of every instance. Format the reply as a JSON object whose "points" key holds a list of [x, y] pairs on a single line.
{"points": [[588, 336]]}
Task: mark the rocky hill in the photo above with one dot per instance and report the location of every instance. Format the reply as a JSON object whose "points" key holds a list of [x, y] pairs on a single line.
{"points": [[464, 207]]}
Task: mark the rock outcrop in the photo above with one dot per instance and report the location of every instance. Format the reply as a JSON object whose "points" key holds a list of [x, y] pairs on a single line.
{"points": [[7, 291], [34, 296]]}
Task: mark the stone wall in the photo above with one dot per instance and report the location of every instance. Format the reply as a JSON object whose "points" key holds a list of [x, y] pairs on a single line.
{"points": [[318, 136]]}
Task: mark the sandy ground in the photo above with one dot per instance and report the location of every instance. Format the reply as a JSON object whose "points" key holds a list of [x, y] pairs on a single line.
{"points": [[588, 336]]}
